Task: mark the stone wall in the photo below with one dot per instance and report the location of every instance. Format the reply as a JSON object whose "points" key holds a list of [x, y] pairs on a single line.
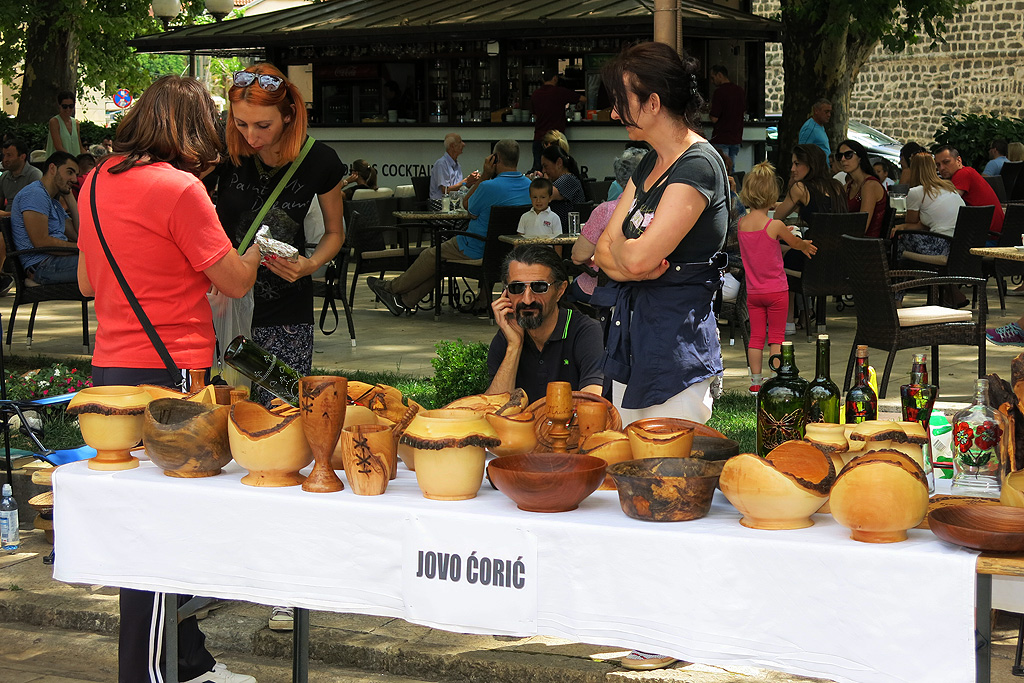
{"points": [[980, 70]]}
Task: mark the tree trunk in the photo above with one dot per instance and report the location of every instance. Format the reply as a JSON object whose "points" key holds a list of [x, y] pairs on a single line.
{"points": [[817, 64], [51, 63]]}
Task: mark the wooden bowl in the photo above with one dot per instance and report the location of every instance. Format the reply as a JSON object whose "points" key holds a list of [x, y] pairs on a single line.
{"points": [[110, 419], [879, 495], [547, 482], [714, 448], [1012, 491], [517, 432], [665, 489], [781, 490], [540, 414], [447, 448], [659, 437], [612, 447], [992, 528], [185, 438], [271, 445]]}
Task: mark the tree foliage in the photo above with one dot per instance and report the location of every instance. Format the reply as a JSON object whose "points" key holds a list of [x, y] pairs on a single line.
{"points": [[827, 42], [972, 134]]}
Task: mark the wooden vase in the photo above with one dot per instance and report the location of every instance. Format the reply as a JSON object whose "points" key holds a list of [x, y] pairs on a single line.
{"points": [[370, 458], [111, 421], [560, 409], [322, 403]]}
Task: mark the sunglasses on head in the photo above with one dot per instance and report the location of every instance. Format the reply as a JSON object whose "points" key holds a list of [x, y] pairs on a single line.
{"points": [[537, 286], [244, 79], [849, 154]]}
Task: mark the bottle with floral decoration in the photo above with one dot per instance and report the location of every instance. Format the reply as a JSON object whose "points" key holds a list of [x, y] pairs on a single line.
{"points": [[978, 442]]}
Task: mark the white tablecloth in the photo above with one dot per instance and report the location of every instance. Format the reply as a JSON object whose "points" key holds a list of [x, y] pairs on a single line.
{"points": [[808, 601]]}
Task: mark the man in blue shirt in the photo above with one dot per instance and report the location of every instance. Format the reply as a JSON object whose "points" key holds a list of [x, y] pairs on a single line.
{"points": [[997, 157], [39, 220], [446, 174], [501, 184], [813, 130]]}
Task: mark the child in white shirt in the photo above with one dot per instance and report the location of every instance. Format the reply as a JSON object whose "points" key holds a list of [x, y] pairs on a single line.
{"points": [[540, 220]]}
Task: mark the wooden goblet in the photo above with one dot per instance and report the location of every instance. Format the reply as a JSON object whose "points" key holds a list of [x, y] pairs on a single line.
{"points": [[322, 403], [560, 409], [370, 458]]}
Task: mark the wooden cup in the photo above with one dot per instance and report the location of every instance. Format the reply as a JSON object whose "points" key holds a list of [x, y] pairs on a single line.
{"points": [[591, 417], [370, 458], [322, 404]]}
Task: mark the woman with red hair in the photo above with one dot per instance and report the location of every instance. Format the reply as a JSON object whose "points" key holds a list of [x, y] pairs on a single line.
{"points": [[266, 136]]}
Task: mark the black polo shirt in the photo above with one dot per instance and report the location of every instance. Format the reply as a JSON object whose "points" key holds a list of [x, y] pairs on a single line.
{"points": [[574, 353]]}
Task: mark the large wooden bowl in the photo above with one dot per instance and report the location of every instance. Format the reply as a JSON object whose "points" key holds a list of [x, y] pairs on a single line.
{"points": [[547, 482], [540, 415], [992, 528], [659, 437], [1012, 492], [665, 489], [612, 447], [271, 445], [185, 438], [879, 495]]}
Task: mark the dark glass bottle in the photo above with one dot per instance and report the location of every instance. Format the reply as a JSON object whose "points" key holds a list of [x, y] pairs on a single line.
{"points": [[780, 403], [861, 400], [918, 398], [823, 397], [264, 369]]}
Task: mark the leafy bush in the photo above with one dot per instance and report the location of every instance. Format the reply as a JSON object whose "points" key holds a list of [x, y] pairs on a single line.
{"points": [[51, 381], [460, 369], [971, 134], [34, 134]]}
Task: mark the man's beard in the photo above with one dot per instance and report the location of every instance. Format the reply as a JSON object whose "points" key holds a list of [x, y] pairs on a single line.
{"points": [[529, 322]]}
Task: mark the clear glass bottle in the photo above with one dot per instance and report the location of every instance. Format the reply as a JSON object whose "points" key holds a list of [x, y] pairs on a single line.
{"points": [[861, 400], [264, 369], [823, 397], [978, 443], [780, 403]]}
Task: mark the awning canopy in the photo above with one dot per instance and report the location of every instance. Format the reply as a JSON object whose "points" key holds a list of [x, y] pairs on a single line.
{"points": [[368, 21]]}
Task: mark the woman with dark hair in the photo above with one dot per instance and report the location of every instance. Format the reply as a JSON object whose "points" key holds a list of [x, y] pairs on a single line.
{"points": [[62, 130], [266, 136], [561, 169], [363, 177], [164, 235], [812, 189], [864, 191]]}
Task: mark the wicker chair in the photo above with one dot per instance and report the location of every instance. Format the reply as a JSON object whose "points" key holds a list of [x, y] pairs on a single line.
{"points": [[1011, 175], [818, 277], [881, 325], [35, 293], [365, 243]]}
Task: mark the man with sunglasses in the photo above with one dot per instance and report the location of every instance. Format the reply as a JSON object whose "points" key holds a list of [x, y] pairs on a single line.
{"points": [[540, 341]]}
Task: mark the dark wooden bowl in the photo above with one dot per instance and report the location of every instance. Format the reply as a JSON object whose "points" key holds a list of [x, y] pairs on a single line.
{"points": [[539, 409], [665, 489], [677, 423], [187, 439], [714, 448], [993, 528], [547, 482]]}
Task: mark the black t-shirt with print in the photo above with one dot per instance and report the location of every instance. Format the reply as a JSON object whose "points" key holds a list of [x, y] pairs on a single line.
{"points": [[702, 168], [242, 191]]}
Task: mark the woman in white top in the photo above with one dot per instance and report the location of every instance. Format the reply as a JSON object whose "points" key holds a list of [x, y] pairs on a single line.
{"points": [[62, 130], [932, 204]]}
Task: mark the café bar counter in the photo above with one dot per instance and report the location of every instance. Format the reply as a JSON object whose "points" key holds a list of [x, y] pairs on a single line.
{"points": [[809, 601]]}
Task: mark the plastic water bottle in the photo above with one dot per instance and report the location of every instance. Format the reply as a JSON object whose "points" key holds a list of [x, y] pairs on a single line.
{"points": [[10, 537]]}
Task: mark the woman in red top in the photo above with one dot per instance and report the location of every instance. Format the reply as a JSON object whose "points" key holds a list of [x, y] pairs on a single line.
{"points": [[864, 191]]}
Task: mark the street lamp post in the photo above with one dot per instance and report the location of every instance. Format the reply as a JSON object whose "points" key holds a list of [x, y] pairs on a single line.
{"points": [[219, 9], [166, 11]]}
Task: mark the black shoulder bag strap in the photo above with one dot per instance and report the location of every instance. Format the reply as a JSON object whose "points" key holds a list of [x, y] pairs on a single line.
{"points": [[177, 379], [330, 282]]}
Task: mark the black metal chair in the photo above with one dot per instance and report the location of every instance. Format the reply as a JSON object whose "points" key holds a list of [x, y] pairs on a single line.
{"points": [[28, 291], [881, 325], [1000, 269], [365, 245], [421, 186], [597, 190], [818, 278], [996, 182], [1010, 172]]}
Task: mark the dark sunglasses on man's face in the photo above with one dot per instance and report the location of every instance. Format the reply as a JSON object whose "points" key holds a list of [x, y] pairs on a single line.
{"points": [[244, 79], [849, 154], [537, 286]]}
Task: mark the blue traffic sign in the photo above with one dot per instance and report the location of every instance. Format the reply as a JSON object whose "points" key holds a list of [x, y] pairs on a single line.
{"points": [[123, 98]]}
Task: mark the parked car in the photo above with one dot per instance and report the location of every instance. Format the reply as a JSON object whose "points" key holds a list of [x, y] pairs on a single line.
{"points": [[878, 144]]}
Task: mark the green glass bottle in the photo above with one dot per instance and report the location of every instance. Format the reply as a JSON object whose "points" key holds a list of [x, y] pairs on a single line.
{"points": [[780, 403], [264, 369], [861, 400], [823, 397]]}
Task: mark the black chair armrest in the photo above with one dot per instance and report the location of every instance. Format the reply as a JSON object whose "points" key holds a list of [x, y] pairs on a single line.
{"points": [[932, 281], [49, 251], [460, 233], [911, 273]]}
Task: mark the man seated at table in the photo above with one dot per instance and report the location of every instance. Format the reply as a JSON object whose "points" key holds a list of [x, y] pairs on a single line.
{"points": [[500, 184], [446, 173], [996, 157], [972, 187], [39, 220], [539, 341]]}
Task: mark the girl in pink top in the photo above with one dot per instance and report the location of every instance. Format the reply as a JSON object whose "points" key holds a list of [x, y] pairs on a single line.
{"points": [[767, 288]]}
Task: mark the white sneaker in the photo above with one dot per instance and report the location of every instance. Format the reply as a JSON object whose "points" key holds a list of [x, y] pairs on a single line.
{"points": [[282, 619], [220, 674]]}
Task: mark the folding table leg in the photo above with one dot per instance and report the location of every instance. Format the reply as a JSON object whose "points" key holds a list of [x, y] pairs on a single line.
{"points": [[300, 646], [171, 637], [983, 626]]}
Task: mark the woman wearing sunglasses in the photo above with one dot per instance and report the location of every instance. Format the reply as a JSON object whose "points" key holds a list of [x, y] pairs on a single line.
{"points": [[266, 135], [156, 218], [63, 135], [864, 191]]}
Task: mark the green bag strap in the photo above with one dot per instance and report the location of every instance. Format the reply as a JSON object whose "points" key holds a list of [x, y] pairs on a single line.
{"points": [[274, 195]]}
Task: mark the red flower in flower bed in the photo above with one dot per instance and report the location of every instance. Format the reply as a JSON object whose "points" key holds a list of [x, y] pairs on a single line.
{"points": [[963, 435]]}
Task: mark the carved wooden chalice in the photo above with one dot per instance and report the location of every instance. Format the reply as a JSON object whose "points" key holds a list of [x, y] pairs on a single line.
{"points": [[560, 410], [322, 403]]}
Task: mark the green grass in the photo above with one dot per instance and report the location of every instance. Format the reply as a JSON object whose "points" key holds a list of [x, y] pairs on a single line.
{"points": [[734, 416]]}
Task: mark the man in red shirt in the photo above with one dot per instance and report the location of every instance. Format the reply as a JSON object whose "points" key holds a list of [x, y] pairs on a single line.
{"points": [[728, 103], [971, 185], [548, 103]]}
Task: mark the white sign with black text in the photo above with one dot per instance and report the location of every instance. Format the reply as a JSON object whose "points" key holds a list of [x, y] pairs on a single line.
{"points": [[470, 574]]}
